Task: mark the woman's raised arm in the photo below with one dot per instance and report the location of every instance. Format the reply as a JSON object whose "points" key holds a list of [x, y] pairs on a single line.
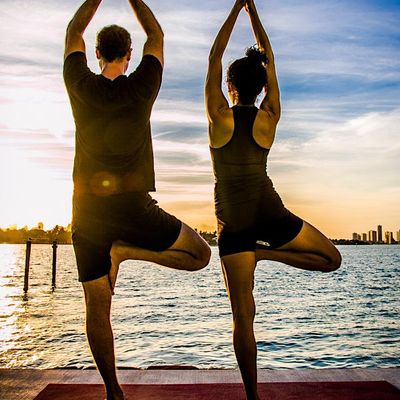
{"points": [[215, 99], [271, 102]]}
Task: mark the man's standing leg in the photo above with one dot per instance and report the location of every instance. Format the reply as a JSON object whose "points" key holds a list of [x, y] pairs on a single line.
{"points": [[98, 297]]}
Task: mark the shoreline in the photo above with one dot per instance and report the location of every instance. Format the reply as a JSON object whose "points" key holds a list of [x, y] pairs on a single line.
{"points": [[336, 242]]}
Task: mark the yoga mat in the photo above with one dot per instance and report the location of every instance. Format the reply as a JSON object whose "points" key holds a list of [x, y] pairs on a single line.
{"points": [[379, 390]]}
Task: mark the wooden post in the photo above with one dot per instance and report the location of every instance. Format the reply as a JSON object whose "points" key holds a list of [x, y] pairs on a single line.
{"points": [[27, 261], [53, 280]]}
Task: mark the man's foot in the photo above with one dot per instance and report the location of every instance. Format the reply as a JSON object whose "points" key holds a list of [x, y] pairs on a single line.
{"points": [[121, 251], [117, 256], [115, 394], [115, 397], [119, 395]]}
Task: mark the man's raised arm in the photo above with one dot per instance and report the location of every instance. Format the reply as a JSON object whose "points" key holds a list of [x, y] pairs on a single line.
{"points": [[155, 35], [74, 37]]}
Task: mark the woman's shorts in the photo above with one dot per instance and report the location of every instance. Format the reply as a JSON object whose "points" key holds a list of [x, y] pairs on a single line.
{"points": [[251, 215], [268, 235]]}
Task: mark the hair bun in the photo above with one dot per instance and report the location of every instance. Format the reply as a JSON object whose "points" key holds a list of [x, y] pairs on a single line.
{"points": [[256, 56]]}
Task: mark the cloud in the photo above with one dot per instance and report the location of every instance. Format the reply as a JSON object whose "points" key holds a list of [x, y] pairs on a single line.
{"points": [[355, 159], [368, 145], [175, 110], [40, 148]]}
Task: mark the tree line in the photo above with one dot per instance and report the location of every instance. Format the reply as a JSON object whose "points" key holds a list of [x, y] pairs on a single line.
{"points": [[60, 234], [37, 235]]}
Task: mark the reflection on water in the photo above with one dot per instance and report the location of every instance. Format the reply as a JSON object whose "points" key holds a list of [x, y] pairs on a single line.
{"points": [[345, 319]]}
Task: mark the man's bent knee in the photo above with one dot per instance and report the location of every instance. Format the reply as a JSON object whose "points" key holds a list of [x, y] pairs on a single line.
{"points": [[197, 247], [204, 257], [201, 259]]}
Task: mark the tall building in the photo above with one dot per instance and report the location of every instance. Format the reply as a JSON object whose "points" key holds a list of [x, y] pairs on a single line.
{"points": [[388, 237], [372, 236], [380, 238], [364, 237], [355, 236]]}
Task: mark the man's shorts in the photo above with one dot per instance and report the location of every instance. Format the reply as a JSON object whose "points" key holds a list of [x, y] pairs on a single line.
{"points": [[131, 217]]}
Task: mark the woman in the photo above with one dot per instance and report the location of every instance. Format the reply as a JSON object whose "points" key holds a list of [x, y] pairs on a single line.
{"points": [[253, 223]]}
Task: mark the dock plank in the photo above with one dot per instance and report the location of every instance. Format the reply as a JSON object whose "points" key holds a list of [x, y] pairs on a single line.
{"points": [[25, 384]]}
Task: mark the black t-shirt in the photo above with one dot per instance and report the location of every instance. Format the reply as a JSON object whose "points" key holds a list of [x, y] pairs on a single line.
{"points": [[114, 151]]}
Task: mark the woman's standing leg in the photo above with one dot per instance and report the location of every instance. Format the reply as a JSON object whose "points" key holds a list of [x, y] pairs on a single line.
{"points": [[238, 270]]}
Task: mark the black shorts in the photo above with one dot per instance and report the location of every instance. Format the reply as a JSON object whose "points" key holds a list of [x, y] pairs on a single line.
{"points": [[252, 216], [271, 235], [131, 217]]}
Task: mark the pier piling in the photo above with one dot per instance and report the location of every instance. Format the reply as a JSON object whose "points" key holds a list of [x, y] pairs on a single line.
{"points": [[27, 261], [54, 269]]}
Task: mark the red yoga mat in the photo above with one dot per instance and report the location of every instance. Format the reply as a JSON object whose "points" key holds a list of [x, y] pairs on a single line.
{"points": [[379, 390]]}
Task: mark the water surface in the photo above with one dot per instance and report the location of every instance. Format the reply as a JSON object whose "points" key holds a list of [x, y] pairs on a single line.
{"points": [[349, 318]]}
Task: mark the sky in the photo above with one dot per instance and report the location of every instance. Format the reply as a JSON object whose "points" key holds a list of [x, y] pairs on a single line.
{"points": [[336, 157]]}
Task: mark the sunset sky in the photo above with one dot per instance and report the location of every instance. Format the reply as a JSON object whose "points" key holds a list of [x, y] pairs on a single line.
{"points": [[336, 158]]}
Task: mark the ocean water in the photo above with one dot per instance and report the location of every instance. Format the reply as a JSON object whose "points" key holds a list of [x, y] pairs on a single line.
{"points": [[349, 318]]}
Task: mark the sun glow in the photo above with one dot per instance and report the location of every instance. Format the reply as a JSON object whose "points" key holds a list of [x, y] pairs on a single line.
{"points": [[31, 193]]}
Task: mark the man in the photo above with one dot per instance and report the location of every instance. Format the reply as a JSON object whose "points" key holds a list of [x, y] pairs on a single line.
{"points": [[114, 217]]}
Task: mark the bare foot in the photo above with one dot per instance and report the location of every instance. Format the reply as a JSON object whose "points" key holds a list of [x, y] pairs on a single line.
{"points": [[114, 392], [116, 396], [117, 256]]}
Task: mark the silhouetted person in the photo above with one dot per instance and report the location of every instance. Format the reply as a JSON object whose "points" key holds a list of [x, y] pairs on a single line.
{"points": [[253, 223], [114, 217]]}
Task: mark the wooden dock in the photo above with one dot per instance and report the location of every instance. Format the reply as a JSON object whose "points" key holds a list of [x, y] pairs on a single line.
{"points": [[25, 384]]}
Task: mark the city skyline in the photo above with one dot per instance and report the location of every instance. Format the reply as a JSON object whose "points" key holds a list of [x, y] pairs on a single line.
{"points": [[378, 236], [336, 157], [372, 236]]}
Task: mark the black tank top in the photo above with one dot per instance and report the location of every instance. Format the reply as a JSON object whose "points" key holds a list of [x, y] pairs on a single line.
{"points": [[241, 156]]}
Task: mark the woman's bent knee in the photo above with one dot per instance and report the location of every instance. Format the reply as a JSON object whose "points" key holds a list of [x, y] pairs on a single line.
{"points": [[335, 261]]}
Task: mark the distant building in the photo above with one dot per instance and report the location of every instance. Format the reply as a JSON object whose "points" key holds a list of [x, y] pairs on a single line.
{"points": [[372, 236], [364, 237], [388, 237], [355, 236], [380, 238]]}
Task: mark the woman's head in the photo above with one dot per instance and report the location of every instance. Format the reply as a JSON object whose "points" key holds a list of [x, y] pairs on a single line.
{"points": [[113, 43], [247, 76]]}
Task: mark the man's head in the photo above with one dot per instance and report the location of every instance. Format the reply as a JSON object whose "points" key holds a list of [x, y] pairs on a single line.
{"points": [[113, 44]]}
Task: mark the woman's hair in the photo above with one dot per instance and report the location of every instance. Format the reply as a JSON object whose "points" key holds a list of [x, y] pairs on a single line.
{"points": [[248, 75], [113, 42]]}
